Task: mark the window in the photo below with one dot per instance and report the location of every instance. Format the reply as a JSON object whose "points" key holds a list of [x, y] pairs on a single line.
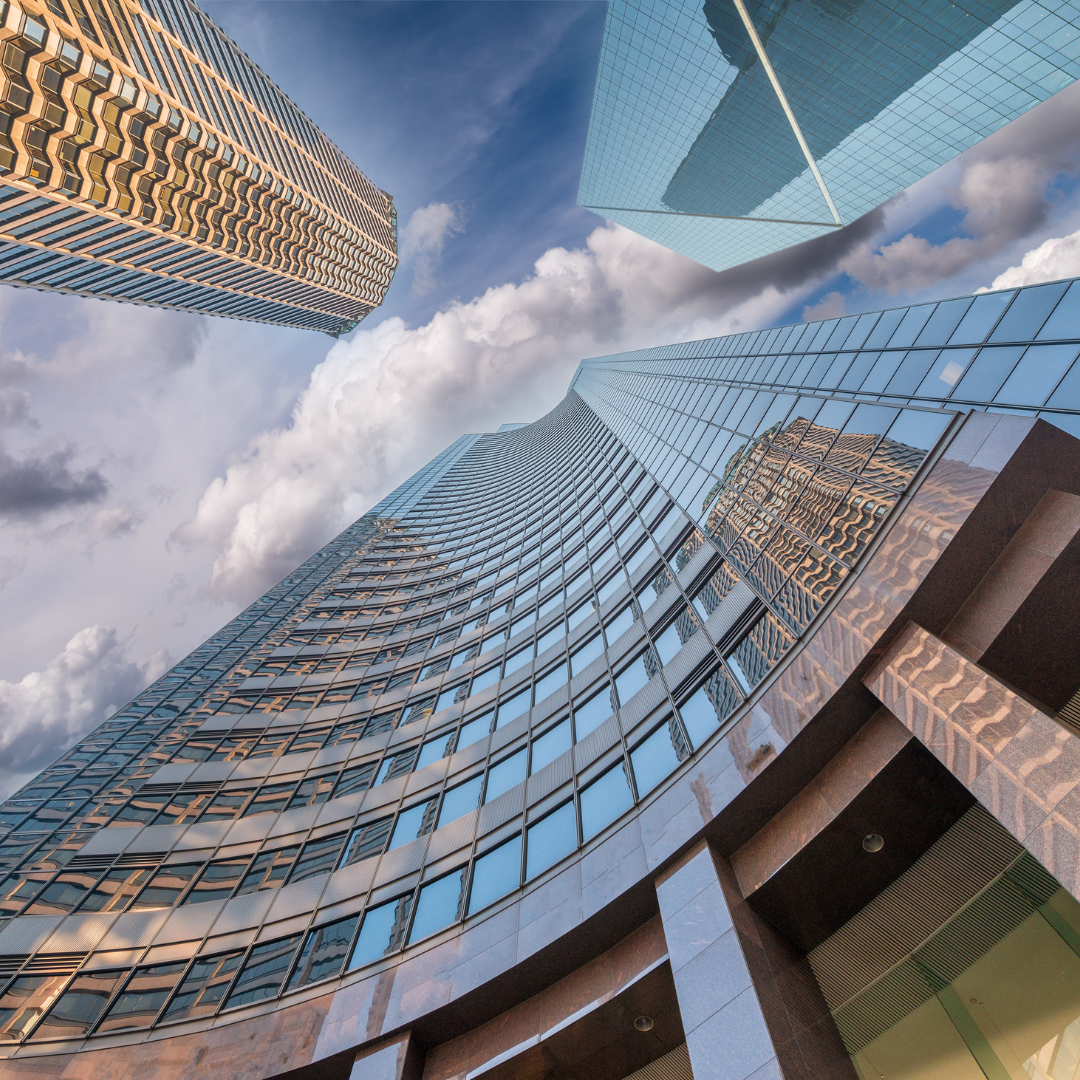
{"points": [[495, 874], [586, 654], [604, 800], [206, 983], [367, 841], [80, 1005], [141, 1000], [551, 681], [263, 972], [268, 870], [551, 839], [632, 678], [461, 800], [514, 707], [324, 952], [553, 743], [439, 905], [654, 758], [166, 886], [474, 730], [318, 857], [592, 713], [616, 627], [24, 1000], [485, 679], [507, 774], [381, 931], [217, 880], [414, 822]]}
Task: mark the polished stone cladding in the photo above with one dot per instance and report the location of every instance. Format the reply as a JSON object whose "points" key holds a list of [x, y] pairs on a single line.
{"points": [[585, 723], [729, 129]]}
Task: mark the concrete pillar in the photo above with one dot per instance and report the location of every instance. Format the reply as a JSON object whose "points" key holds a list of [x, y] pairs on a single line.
{"points": [[750, 1005]]}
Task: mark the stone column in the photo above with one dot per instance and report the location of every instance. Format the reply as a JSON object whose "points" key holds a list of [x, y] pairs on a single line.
{"points": [[750, 1005]]}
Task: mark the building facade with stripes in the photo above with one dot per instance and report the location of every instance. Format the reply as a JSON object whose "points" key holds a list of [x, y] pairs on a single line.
{"points": [[145, 158], [721, 723]]}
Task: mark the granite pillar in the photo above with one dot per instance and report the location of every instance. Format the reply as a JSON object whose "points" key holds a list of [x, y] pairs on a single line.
{"points": [[750, 1005]]}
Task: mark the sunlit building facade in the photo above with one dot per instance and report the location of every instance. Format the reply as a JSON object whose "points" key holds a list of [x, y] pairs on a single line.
{"points": [[731, 129], [720, 723], [145, 158]]}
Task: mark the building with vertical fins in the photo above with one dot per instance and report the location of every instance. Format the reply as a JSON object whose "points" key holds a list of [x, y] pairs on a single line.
{"points": [[145, 158], [729, 129], [722, 723]]}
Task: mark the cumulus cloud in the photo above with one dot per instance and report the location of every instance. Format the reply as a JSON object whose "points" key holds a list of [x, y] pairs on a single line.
{"points": [[46, 711], [424, 237], [829, 306], [383, 403], [1051, 260], [34, 485]]}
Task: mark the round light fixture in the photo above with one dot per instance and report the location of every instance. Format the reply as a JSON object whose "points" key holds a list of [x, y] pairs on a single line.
{"points": [[644, 1023], [873, 842]]}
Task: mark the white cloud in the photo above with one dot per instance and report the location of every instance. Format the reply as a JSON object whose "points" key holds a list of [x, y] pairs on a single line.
{"points": [[830, 306], [46, 711], [383, 403], [1051, 260], [423, 240]]}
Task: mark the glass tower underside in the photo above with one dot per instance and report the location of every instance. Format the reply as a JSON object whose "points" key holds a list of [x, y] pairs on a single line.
{"points": [[732, 129], [145, 158], [512, 660]]}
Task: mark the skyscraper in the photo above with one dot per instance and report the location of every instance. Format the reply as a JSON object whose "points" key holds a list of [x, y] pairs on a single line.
{"points": [[144, 157], [720, 723], [731, 129]]}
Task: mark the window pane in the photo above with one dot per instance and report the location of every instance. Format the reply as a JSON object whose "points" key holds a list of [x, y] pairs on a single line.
{"points": [[218, 880], [495, 874], [550, 840], [604, 800], [324, 952], [204, 986], [461, 800], [505, 775], [411, 823], [438, 906], [519, 660], [382, 931], [700, 715], [586, 654], [653, 760], [80, 1005], [142, 998], [318, 857], [589, 716], [550, 745], [484, 680], [474, 730], [515, 707], [25, 999], [668, 644], [115, 890], [367, 841], [551, 682], [631, 679], [262, 974], [166, 885]]}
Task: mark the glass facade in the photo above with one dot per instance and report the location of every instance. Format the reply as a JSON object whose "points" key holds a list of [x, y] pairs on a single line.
{"points": [[504, 661], [145, 158], [730, 129]]}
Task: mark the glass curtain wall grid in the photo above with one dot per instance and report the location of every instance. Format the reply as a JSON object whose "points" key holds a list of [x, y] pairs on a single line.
{"points": [[734, 128], [145, 158], [487, 672]]}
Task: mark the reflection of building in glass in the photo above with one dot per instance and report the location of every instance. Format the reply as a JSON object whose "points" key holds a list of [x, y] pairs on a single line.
{"points": [[748, 649], [790, 118], [145, 158]]}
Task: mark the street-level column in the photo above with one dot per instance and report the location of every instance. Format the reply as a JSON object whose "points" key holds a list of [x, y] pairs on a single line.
{"points": [[750, 1006]]}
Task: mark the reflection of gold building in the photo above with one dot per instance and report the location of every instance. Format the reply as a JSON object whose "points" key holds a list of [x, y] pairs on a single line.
{"points": [[144, 157], [798, 505]]}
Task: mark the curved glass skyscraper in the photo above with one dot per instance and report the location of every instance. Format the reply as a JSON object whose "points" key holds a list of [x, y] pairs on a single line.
{"points": [[720, 723]]}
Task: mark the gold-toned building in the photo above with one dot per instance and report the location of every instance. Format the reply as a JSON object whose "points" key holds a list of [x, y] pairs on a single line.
{"points": [[144, 157]]}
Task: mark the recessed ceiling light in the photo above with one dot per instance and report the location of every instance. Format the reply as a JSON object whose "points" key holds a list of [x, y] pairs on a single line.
{"points": [[873, 842], [644, 1023]]}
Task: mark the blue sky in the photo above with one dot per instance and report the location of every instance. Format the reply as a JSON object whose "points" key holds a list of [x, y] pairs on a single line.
{"points": [[174, 466]]}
